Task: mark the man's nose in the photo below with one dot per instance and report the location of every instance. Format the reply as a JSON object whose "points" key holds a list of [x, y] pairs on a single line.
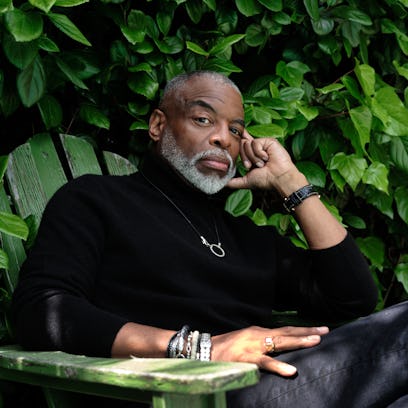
{"points": [[221, 137]]}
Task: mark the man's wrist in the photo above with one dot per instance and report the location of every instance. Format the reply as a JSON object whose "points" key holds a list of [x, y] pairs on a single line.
{"points": [[289, 182]]}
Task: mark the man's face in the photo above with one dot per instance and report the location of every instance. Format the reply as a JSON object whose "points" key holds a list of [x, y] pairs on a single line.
{"points": [[203, 132]]}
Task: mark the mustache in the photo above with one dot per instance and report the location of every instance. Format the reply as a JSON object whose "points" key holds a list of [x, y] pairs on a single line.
{"points": [[214, 153]]}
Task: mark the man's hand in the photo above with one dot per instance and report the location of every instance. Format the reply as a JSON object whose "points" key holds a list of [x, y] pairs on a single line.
{"points": [[269, 165], [248, 345]]}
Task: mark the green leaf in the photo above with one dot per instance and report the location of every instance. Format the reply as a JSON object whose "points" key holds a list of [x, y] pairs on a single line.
{"points": [[291, 94], [401, 273], [51, 111], [354, 221], [70, 3], [377, 176], [44, 5], [94, 116], [47, 44], [5, 5], [330, 88], [220, 65], [139, 125], [164, 19], [196, 49], [135, 29], [144, 84], [323, 26], [248, 7], [381, 201], [239, 202], [70, 73], [270, 130], [13, 225], [3, 166], [309, 112], [63, 23], [4, 260], [312, 8], [31, 83], [401, 69], [313, 172], [401, 199], [24, 26], [225, 43], [259, 217], [352, 14], [20, 54], [211, 4], [170, 45], [350, 167], [366, 77], [387, 106], [273, 5], [292, 72], [374, 249], [352, 87], [255, 35], [195, 10], [259, 114], [399, 153], [362, 121]]}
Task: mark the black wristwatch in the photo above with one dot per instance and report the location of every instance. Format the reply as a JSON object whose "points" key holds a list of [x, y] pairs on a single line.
{"points": [[296, 198]]}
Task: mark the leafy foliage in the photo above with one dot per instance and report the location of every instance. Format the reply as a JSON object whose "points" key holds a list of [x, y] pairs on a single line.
{"points": [[327, 78]]}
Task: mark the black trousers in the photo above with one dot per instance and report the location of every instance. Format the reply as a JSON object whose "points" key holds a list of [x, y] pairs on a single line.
{"points": [[363, 364]]}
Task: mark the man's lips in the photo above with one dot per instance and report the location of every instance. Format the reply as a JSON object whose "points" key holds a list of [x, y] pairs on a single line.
{"points": [[215, 163]]}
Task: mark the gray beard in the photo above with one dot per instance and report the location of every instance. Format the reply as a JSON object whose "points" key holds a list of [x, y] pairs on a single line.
{"points": [[209, 184]]}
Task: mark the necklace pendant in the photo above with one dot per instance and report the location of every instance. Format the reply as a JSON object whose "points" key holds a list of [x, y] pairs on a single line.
{"points": [[217, 250]]}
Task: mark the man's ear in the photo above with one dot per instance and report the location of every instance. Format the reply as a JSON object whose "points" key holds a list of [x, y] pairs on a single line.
{"points": [[157, 123]]}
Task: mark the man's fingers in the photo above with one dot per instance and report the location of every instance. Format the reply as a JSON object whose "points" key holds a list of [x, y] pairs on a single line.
{"points": [[252, 153], [276, 366], [292, 338], [301, 330], [284, 343]]}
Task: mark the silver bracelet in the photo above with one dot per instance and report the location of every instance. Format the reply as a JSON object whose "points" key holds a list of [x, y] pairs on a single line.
{"points": [[205, 347], [194, 344]]}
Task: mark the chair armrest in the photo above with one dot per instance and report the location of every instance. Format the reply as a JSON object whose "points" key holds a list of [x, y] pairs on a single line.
{"points": [[135, 378]]}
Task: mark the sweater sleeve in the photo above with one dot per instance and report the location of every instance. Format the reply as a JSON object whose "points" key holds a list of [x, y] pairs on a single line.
{"points": [[333, 283], [52, 307]]}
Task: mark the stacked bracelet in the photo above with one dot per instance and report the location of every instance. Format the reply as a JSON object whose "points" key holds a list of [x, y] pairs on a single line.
{"points": [[189, 344]]}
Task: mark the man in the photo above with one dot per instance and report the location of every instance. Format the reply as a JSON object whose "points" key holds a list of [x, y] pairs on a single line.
{"points": [[150, 265]]}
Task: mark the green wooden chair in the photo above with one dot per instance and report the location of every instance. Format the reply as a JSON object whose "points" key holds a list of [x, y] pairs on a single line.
{"points": [[35, 171]]}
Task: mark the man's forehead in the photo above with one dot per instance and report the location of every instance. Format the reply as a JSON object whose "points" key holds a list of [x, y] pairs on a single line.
{"points": [[209, 96]]}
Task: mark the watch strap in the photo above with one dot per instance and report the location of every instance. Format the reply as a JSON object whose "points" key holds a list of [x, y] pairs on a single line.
{"points": [[296, 198]]}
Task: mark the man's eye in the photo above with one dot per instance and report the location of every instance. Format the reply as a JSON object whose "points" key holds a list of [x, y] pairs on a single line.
{"points": [[236, 132], [202, 120]]}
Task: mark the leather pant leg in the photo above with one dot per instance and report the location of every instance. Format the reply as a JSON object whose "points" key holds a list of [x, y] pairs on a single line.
{"points": [[362, 364]]}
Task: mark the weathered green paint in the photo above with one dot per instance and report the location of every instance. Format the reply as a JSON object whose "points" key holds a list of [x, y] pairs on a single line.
{"points": [[80, 155], [169, 383], [118, 165], [13, 246]]}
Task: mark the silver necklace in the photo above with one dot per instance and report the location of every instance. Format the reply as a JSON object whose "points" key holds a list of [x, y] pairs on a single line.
{"points": [[216, 249]]}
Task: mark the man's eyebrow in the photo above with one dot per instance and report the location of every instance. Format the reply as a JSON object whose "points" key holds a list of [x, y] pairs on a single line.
{"points": [[203, 104], [200, 102], [239, 121]]}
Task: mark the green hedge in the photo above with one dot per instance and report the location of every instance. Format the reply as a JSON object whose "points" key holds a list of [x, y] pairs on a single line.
{"points": [[328, 78]]}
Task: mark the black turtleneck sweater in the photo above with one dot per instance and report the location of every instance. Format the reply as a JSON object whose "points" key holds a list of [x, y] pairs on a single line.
{"points": [[113, 249]]}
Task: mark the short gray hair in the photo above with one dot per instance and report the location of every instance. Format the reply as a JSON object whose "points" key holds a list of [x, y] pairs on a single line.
{"points": [[177, 83]]}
